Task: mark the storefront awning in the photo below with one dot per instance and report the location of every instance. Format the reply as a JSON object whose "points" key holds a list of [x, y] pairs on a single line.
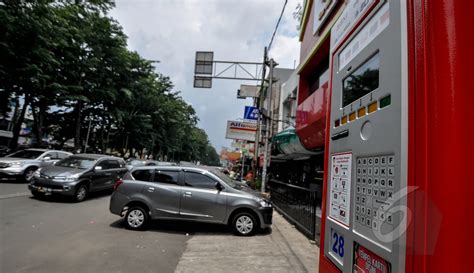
{"points": [[288, 143]]}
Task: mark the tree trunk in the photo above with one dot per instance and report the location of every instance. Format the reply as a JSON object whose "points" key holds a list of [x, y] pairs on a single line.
{"points": [[18, 123], [77, 134]]}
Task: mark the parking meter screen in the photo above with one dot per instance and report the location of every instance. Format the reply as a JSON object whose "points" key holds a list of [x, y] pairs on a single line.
{"points": [[362, 81]]}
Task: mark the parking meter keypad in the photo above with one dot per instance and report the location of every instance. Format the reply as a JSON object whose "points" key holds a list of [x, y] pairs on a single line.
{"points": [[375, 183]]}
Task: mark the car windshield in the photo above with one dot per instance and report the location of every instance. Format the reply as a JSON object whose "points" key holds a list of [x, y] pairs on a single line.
{"points": [[27, 154], [227, 179], [76, 162]]}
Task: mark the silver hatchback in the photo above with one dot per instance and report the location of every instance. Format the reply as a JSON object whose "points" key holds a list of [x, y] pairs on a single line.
{"points": [[185, 193]]}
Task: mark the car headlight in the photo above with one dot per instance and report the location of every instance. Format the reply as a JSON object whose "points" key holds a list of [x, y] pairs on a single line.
{"points": [[73, 177], [15, 164], [264, 203]]}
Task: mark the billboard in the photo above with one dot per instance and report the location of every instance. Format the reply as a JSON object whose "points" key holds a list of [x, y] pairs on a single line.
{"points": [[241, 130]]}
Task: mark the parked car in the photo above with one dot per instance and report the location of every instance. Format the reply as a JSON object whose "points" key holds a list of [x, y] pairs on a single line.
{"points": [[139, 162], [78, 175], [23, 163], [186, 193]]}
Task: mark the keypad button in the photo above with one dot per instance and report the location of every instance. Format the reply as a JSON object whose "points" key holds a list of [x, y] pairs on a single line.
{"points": [[364, 161], [389, 194], [382, 216], [362, 210], [376, 160], [376, 182], [369, 191], [376, 192], [391, 171], [383, 160], [362, 219], [364, 190], [357, 198], [359, 161], [390, 183], [370, 171], [369, 211], [375, 224], [376, 171], [364, 171], [363, 200], [358, 190], [389, 219], [358, 180], [357, 218], [375, 213], [370, 161], [391, 160], [359, 171], [383, 182], [363, 180], [357, 208], [383, 194], [383, 171], [368, 221], [369, 181]]}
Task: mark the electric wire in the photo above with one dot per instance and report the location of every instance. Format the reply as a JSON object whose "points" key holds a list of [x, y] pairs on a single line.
{"points": [[278, 23]]}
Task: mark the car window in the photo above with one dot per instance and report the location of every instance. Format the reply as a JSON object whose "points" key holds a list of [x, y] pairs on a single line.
{"points": [[113, 164], [53, 155], [198, 180], [104, 164], [62, 155], [27, 154], [142, 175], [168, 177]]}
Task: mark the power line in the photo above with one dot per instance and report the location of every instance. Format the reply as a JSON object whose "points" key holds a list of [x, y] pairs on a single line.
{"points": [[278, 23]]}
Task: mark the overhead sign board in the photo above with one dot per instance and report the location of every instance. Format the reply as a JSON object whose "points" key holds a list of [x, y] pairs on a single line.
{"points": [[241, 130], [247, 91], [251, 113]]}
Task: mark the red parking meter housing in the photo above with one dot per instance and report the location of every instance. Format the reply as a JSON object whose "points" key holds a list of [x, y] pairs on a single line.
{"points": [[436, 40]]}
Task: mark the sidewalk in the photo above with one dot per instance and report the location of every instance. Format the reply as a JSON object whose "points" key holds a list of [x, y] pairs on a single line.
{"points": [[285, 249]]}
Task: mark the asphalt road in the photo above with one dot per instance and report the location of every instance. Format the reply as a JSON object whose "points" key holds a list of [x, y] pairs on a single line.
{"points": [[56, 235]]}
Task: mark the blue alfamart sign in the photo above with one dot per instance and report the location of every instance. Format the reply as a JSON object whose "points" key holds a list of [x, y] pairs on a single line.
{"points": [[251, 113]]}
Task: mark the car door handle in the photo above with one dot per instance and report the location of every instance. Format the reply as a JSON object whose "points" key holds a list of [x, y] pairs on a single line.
{"points": [[188, 194], [151, 189]]}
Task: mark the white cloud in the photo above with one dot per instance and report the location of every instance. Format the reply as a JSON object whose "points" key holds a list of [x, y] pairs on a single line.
{"points": [[173, 30]]}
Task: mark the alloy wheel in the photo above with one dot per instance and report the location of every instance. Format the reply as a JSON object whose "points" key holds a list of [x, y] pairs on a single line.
{"points": [[135, 218], [244, 224]]}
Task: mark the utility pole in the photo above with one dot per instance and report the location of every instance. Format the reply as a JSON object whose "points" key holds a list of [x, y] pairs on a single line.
{"points": [[268, 125], [87, 137], [259, 118]]}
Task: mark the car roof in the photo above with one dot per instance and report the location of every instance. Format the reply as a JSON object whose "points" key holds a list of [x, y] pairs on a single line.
{"points": [[95, 156], [45, 150], [170, 168]]}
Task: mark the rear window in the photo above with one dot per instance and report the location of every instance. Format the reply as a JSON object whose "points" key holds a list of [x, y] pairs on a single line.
{"points": [[142, 175]]}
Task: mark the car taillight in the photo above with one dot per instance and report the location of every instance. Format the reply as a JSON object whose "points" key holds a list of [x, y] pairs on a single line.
{"points": [[118, 182]]}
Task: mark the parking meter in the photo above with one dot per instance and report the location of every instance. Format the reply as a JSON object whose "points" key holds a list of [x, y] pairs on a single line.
{"points": [[365, 216]]}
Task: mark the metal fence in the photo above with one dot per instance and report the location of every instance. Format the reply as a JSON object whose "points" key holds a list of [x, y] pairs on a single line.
{"points": [[297, 204]]}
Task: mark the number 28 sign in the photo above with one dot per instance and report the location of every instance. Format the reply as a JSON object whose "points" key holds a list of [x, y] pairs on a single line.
{"points": [[337, 244]]}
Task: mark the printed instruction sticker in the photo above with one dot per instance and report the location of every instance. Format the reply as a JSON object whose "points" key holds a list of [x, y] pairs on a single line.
{"points": [[340, 187]]}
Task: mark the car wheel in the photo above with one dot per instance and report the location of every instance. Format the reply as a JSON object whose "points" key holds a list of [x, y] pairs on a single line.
{"points": [[28, 174], [81, 193], [244, 224], [136, 218]]}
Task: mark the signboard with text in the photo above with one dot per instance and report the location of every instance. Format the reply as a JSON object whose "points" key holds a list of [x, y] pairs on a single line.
{"points": [[241, 130], [251, 113]]}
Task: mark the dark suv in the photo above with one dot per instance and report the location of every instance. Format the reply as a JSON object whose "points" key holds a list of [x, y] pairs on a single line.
{"points": [[78, 175], [185, 193]]}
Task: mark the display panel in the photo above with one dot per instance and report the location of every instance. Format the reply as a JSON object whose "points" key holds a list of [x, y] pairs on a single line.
{"points": [[362, 81]]}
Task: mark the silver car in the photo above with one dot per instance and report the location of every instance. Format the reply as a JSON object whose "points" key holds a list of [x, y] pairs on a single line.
{"points": [[78, 175], [24, 163], [186, 193]]}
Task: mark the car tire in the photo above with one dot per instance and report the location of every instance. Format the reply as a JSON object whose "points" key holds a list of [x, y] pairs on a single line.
{"points": [[28, 174], [81, 193], [244, 224], [136, 218]]}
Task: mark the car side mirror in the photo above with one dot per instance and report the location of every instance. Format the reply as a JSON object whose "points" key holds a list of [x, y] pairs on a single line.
{"points": [[46, 158], [218, 186], [97, 168]]}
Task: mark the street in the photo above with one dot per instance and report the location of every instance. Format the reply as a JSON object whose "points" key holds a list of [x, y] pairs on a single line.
{"points": [[56, 235]]}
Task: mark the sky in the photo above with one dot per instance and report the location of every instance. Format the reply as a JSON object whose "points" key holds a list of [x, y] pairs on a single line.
{"points": [[171, 31]]}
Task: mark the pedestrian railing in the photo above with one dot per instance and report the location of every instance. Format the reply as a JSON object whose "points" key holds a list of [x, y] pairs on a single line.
{"points": [[297, 204]]}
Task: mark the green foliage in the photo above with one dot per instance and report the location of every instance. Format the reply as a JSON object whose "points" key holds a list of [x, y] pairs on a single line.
{"points": [[69, 61]]}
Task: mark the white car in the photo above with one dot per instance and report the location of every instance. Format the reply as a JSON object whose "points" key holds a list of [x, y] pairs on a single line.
{"points": [[22, 164]]}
